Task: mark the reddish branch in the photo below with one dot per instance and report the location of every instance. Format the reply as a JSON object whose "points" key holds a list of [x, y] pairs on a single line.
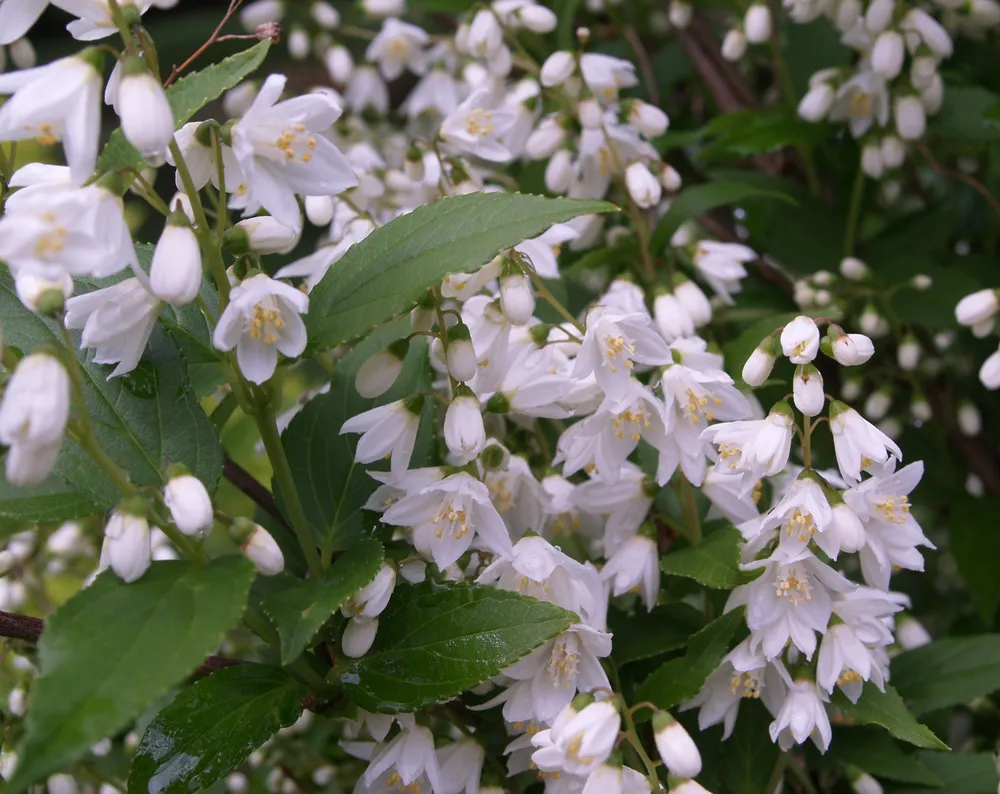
{"points": [[958, 176], [216, 36]]}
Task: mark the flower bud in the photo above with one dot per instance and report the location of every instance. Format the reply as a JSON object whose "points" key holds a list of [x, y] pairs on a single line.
{"points": [[680, 14], [358, 637], [384, 8], [189, 504], [516, 298], [910, 633], [970, 421], [694, 302], [494, 457], [864, 783], [977, 307], [258, 546], [807, 390], [879, 15], [671, 318], [688, 787], [537, 18], [851, 388], [675, 746], [260, 235], [147, 120], [464, 432], [339, 64], [908, 354], [559, 172], [324, 14], [983, 329], [649, 119], [847, 528], [127, 548], [461, 356], [370, 601], [989, 372], [670, 179], [817, 102], [298, 44], [853, 268], [893, 151], [643, 187], [887, 54], [43, 295], [757, 24], [590, 114], [35, 405], [800, 340], [850, 350], [871, 160], [376, 376], [878, 404], [546, 139], [175, 272], [319, 210], [870, 320], [910, 116], [757, 368], [932, 97], [734, 45], [557, 68]]}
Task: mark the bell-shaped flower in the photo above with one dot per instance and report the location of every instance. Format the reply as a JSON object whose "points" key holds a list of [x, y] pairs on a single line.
{"points": [[282, 152], [261, 320], [371, 600], [675, 746], [756, 447], [464, 432], [476, 128], [175, 272], [17, 17], [461, 765], [802, 716], [387, 431], [127, 549], [397, 45], [722, 266], [189, 504], [579, 740], [411, 753], [635, 566], [857, 443]]}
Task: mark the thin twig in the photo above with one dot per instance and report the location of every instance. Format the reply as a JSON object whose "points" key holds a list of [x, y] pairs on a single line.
{"points": [[958, 176], [233, 5], [645, 64], [250, 486]]}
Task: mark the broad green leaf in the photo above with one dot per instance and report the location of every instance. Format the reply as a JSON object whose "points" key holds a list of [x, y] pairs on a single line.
{"points": [[52, 501], [959, 773], [144, 421], [332, 487], [566, 11], [645, 635], [873, 751], [187, 96], [679, 679], [113, 648], [965, 115], [750, 754], [975, 545], [948, 672], [299, 607], [213, 726], [387, 272], [715, 562], [695, 200], [888, 710], [436, 641]]}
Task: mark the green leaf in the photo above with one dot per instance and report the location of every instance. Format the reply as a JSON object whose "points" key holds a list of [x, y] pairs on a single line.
{"points": [[965, 115], [750, 753], [299, 607], [682, 678], [435, 642], [975, 545], [113, 648], [213, 726], [144, 421], [888, 710], [332, 487], [693, 201], [187, 96], [959, 773], [873, 751], [645, 635], [51, 502], [948, 672], [387, 272], [715, 562]]}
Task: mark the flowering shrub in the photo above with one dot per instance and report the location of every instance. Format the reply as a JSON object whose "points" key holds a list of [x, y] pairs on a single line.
{"points": [[514, 396]]}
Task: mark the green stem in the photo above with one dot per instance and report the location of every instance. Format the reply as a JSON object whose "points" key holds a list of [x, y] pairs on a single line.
{"points": [[223, 217], [642, 232], [777, 774], [553, 301], [691, 521], [854, 212], [210, 247], [807, 441], [632, 736], [268, 428]]}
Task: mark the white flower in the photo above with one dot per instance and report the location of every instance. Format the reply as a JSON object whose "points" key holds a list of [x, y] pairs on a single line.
{"points": [[759, 447], [817, 102], [259, 547], [33, 416], [908, 354], [853, 268], [978, 307], [757, 24], [446, 514], [910, 116], [370, 601], [464, 433], [116, 321], [543, 251], [437, 92], [397, 46], [557, 68], [734, 45], [201, 160], [17, 17], [680, 13], [578, 741], [383, 8], [175, 272], [921, 26], [694, 302], [807, 389], [844, 659], [615, 779], [800, 340], [650, 120], [147, 120], [674, 744], [476, 128], [388, 430], [910, 633], [60, 101], [358, 637], [721, 264], [862, 100], [624, 503], [858, 443], [643, 187], [852, 349], [95, 18], [485, 34], [189, 504], [127, 549], [887, 54], [612, 346], [366, 89], [262, 318], [757, 368], [266, 235], [411, 752], [376, 376], [281, 152], [989, 372], [516, 298], [604, 75], [635, 566], [461, 765], [802, 716]]}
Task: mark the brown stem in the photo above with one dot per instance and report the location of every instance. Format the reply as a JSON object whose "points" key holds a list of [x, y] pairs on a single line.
{"points": [[958, 176], [645, 64], [175, 73], [250, 486]]}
